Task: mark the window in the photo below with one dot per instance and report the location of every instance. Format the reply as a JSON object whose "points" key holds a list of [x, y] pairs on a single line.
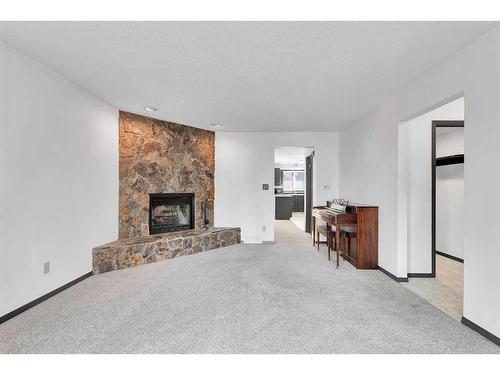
{"points": [[293, 180]]}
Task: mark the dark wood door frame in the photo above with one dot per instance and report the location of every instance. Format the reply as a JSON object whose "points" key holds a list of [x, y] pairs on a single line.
{"points": [[435, 124], [309, 191]]}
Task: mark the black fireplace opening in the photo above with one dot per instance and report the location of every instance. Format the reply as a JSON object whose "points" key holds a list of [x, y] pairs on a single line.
{"points": [[171, 212]]}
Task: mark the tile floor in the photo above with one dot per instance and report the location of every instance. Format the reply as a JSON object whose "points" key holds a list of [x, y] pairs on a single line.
{"points": [[446, 290], [299, 219]]}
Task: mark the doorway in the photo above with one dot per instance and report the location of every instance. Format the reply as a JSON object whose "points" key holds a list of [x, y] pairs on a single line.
{"points": [[448, 160], [430, 199], [309, 191], [292, 184], [447, 163]]}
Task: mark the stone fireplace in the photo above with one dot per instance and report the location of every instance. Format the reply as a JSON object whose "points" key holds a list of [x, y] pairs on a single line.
{"points": [[171, 212], [163, 157], [166, 195]]}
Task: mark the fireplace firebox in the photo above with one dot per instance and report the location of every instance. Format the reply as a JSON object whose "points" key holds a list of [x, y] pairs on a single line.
{"points": [[171, 212]]}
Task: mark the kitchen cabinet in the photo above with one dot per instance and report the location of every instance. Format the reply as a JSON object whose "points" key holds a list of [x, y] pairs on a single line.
{"points": [[283, 207], [298, 203], [278, 174]]}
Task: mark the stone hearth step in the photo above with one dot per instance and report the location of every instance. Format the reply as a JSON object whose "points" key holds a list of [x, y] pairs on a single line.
{"points": [[131, 252]]}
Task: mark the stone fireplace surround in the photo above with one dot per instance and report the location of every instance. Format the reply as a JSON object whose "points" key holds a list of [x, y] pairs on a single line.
{"points": [[162, 157]]}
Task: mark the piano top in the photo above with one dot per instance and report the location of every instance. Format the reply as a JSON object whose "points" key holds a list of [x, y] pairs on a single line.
{"points": [[351, 208], [354, 205], [336, 217], [331, 211], [363, 205]]}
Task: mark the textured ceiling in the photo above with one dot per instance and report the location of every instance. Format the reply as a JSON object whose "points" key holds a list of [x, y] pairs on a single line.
{"points": [[246, 76]]}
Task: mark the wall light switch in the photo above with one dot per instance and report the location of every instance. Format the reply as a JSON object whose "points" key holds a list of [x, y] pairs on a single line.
{"points": [[265, 186], [46, 268], [263, 228]]}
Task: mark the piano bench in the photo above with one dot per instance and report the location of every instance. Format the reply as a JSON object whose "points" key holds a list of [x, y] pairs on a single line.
{"points": [[329, 233], [349, 233]]}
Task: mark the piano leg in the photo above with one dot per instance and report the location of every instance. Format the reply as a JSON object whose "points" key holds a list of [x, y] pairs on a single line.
{"points": [[332, 241], [328, 239], [347, 246], [313, 222], [317, 238], [337, 242]]}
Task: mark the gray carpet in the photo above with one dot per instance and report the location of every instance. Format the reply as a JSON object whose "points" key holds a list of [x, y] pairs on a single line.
{"points": [[282, 298]]}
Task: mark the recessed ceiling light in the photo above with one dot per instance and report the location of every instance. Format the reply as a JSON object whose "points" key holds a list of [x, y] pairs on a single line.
{"points": [[216, 126], [150, 109]]}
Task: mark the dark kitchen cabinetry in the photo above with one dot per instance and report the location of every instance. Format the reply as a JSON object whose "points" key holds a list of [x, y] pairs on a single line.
{"points": [[277, 176], [283, 207], [298, 203]]}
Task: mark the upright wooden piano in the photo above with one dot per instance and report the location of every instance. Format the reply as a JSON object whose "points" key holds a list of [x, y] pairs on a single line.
{"points": [[358, 223]]}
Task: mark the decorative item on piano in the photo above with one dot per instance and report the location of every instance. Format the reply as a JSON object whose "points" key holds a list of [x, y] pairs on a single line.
{"points": [[337, 205]]}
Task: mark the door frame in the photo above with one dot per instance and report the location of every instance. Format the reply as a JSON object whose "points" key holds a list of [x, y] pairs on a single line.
{"points": [[436, 124], [309, 191]]}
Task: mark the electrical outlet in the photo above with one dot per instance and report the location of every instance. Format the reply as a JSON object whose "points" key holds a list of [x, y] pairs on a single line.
{"points": [[46, 268], [263, 228]]}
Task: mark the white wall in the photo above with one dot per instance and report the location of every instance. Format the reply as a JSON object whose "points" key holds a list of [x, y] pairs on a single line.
{"points": [[450, 209], [450, 142], [58, 179], [245, 160], [368, 166], [415, 182], [450, 195], [289, 167]]}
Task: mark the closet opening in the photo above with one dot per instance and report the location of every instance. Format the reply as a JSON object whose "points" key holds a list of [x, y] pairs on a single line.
{"points": [[431, 205]]}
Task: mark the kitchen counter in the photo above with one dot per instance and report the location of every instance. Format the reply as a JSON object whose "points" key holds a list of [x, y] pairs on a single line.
{"points": [[288, 203]]}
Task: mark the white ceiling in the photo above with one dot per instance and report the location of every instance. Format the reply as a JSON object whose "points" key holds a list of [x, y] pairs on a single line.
{"points": [[246, 76]]}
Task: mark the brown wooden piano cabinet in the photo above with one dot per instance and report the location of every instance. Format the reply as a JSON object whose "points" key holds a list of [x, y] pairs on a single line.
{"points": [[354, 232]]}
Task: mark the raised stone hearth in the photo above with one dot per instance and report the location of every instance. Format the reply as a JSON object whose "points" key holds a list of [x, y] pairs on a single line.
{"points": [[131, 252]]}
